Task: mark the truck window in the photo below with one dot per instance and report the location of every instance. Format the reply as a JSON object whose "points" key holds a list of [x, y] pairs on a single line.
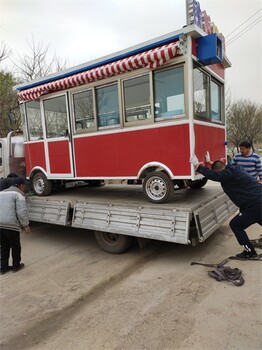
{"points": [[1, 156], [169, 93], [56, 117], [34, 122]]}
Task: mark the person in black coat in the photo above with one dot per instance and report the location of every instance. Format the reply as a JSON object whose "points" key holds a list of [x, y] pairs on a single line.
{"points": [[244, 191], [7, 181]]}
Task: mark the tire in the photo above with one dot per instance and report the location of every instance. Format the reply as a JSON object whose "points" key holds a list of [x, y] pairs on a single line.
{"points": [[95, 183], [112, 242], [40, 184], [158, 187], [198, 183]]}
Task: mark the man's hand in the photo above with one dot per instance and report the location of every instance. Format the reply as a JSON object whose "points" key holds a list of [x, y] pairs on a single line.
{"points": [[260, 181], [193, 160], [208, 160], [27, 229]]}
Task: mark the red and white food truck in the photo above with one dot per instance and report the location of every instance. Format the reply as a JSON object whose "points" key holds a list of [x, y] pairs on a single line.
{"points": [[137, 114]]}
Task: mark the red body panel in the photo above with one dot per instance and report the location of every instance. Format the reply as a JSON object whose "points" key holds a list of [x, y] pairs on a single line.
{"points": [[208, 138], [124, 154], [34, 156], [59, 158]]}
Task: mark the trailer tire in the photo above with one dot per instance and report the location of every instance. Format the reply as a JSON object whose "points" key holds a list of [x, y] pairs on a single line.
{"points": [[112, 242], [158, 187], [41, 186], [198, 183]]}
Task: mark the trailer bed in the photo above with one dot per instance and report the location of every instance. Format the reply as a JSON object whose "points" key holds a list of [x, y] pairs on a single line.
{"points": [[191, 216]]}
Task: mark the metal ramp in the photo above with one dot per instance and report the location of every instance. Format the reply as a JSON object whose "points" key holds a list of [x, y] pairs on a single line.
{"points": [[48, 211], [211, 215], [160, 224]]}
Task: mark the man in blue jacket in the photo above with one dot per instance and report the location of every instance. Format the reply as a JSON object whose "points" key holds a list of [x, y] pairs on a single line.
{"points": [[244, 191], [13, 218], [249, 160]]}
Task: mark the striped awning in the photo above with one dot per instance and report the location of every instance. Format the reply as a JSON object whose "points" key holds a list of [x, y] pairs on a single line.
{"points": [[150, 59]]}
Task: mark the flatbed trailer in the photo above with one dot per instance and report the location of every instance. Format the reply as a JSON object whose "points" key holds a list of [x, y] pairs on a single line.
{"points": [[119, 213]]}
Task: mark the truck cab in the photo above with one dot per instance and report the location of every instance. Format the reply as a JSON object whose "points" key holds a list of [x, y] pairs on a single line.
{"points": [[12, 158]]}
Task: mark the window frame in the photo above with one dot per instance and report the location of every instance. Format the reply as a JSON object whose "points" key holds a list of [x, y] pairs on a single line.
{"points": [[220, 84], [28, 134], [150, 120], [113, 126], [178, 116], [73, 119], [65, 95]]}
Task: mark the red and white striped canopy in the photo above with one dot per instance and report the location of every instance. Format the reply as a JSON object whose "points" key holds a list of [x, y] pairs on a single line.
{"points": [[150, 59]]}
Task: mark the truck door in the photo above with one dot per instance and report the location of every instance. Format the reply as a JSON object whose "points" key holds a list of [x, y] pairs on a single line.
{"points": [[2, 173], [58, 146]]}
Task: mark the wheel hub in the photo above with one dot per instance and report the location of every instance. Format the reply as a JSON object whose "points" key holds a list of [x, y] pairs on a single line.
{"points": [[39, 185], [156, 188]]}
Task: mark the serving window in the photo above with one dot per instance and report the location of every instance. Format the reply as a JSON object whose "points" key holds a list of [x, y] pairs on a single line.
{"points": [[83, 106], [107, 106], [34, 121], [55, 110], [207, 97], [136, 93], [169, 96]]}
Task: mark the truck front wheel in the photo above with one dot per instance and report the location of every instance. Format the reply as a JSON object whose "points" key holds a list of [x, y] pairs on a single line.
{"points": [[112, 242], [158, 187], [40, 184]]}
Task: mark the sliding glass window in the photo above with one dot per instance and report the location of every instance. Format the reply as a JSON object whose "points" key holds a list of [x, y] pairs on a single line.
{"points": [[107, 106], [34, 122], [84, 111], [201, 94], [215, 102], [137, 99], [169, 93], [56, 117]]}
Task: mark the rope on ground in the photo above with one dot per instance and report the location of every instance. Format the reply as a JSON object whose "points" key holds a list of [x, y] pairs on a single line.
{"points": [[224, 273]]}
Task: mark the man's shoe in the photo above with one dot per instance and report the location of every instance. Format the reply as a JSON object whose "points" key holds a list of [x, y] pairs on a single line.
{"points": [[5, 270], [246, 255], [19, 267]]}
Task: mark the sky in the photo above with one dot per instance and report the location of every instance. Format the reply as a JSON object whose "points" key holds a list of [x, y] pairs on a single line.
{"points": [[83, 30]]}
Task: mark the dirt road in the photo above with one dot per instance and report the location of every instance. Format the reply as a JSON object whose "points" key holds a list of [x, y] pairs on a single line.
{"points": [[72, 295]]}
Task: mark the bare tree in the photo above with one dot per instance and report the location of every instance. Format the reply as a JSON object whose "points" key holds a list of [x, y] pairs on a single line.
{"points": [[4, 51], [244, 122], [37, 63]]}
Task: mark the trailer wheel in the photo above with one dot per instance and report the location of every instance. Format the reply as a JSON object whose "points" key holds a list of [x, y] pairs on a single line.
{"points": [[112, 242], [197, 183], [40, 184], [158, 187]]}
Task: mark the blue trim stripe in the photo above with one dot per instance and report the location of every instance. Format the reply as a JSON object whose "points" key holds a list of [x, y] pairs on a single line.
{"points": [[98, 64]]}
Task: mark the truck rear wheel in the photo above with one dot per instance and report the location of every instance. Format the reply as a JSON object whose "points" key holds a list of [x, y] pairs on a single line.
{"points": [[112, 242], [158, 187], [40, 184], [198, 183]]}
